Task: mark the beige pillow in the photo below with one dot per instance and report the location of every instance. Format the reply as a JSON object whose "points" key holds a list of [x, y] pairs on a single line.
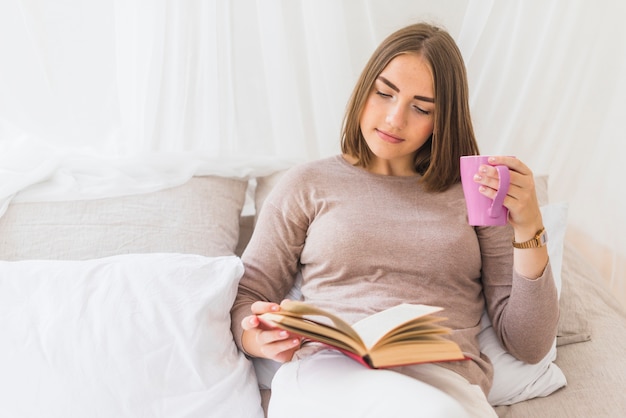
{"points": [[574, 325], [198, 217], [264, 186]]}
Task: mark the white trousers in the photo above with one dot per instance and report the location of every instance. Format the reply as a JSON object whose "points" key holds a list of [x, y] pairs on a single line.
{"points": [[328, 384]]}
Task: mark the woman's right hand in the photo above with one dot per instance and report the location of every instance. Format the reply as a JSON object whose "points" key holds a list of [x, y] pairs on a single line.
{"points": [[261, 339]]}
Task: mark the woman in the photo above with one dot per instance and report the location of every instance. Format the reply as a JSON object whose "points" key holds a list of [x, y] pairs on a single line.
{"points": [[385, 223]]}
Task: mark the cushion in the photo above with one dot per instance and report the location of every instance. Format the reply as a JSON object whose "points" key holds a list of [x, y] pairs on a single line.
{"points": [[198, 217], [574, 324], [264, 186], [515, 381], [128, 335]]}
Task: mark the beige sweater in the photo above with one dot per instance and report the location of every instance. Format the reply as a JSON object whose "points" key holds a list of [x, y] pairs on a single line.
{"points": [[365, 242]]}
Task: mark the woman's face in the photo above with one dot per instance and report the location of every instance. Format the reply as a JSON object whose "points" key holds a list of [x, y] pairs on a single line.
{"points": [[398, 115]]}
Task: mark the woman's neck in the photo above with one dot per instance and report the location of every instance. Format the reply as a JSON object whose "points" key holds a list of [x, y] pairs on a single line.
{"points": [[386, 167]]}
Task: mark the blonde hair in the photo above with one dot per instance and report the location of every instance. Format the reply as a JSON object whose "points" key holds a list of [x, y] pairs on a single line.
{"points": [[453, 135]]}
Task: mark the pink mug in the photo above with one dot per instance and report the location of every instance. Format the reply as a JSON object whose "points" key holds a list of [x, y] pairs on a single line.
{"points": [[482, 211]]}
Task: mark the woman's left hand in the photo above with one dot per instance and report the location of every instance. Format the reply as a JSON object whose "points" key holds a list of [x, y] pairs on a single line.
{"points": [[521, 199], [524, 213]]}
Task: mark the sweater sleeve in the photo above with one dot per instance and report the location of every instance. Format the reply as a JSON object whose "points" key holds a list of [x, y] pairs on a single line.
{"points": [[524, 312], [271, 258]]}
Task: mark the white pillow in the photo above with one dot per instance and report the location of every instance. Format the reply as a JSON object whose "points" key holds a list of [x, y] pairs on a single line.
{"points": [[515, 381], [141, 335]]}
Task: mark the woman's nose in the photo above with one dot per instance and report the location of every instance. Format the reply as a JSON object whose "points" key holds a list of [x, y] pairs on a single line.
{"points": [[396, 117]]}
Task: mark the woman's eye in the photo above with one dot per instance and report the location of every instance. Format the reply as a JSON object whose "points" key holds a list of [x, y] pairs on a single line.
{"points": [[422, 111], [381, 94]]}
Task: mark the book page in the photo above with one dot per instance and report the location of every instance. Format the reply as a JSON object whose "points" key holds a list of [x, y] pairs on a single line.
{"points": [[316, 331], [303, 309], [422, 327], [375, 327], [431, 349]]}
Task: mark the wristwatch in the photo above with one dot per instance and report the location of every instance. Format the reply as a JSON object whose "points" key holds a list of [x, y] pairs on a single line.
{"points": [[539, 240]]}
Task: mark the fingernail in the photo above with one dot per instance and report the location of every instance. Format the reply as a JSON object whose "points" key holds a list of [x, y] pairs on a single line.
{"points": [[477, 177], [295, 341], [283, 334], [482, 188], [492, 159]]}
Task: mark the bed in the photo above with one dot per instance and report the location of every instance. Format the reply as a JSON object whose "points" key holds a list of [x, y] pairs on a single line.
{"points": [[119, 307]]}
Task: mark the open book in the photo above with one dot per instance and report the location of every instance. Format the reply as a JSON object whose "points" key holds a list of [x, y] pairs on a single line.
{"points": [[404, 334]]}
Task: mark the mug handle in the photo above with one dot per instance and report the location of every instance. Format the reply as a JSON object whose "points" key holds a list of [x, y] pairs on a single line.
{"points": [[503, 188]]}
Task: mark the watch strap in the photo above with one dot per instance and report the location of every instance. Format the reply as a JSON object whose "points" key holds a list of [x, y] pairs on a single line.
{"points": [[539, 240]]}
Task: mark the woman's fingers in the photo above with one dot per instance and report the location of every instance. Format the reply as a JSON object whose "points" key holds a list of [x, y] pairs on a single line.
{"points": [[268, 340], [260, 307], [521, 199], [278, 344]]}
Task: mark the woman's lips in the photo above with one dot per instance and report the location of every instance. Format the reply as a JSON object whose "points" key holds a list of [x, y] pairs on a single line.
{"points": [[387, 137]]}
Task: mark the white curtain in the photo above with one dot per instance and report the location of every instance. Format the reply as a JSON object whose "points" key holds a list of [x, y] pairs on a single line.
{"points": [[111, 97]]}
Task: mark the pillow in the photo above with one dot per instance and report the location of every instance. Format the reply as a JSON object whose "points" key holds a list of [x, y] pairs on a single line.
{"points": [[574, 324], [515, 381], [143, 335], [198, 217], [264, 186]]}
